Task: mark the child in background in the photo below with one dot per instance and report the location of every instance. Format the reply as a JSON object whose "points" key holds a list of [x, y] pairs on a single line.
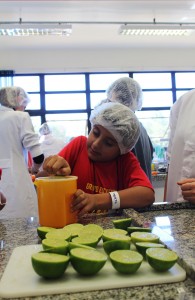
{"points": [[109, 175]]}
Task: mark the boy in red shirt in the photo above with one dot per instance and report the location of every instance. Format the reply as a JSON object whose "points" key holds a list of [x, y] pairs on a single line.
{"points": [[109, 175]]}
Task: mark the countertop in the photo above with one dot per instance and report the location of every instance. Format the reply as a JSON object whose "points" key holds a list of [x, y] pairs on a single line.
{"points": [[175, 223]]}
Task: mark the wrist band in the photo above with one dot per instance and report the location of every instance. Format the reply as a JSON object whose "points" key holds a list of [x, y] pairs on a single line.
{"points": [[115, 200]]}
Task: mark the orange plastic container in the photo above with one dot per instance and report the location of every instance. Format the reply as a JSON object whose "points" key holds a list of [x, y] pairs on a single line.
{"points": [[54, 200]]}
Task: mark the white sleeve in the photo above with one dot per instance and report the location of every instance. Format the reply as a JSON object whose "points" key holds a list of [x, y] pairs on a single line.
{"points": [[29, 138], [174, 113]]}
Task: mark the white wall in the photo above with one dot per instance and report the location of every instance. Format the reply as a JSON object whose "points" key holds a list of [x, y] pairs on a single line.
{"points": [[34, 61]]}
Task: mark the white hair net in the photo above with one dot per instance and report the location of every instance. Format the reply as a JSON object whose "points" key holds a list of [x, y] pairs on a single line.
{"points": [[13, 97], [45, 129], [126, 91], [120, 121]]}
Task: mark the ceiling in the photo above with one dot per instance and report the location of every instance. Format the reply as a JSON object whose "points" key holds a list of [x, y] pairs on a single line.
{"points": [[96, 35]]}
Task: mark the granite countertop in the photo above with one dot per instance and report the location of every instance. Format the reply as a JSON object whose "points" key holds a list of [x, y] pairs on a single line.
{"points": [[175, 221]]}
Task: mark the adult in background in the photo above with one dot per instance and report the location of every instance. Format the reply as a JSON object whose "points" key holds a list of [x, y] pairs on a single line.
{"points": [[128, 92], [49, 143], [180, 185], [17, 137]]}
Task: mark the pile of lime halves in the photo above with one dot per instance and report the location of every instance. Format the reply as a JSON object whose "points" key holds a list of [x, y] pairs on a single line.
{"points": [[88, 248]]}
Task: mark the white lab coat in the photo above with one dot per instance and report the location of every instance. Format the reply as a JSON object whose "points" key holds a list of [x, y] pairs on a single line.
{"points": [[181, 148], [51, 145], [16, 136]]}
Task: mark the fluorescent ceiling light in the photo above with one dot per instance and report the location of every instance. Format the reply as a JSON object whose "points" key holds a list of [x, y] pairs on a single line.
{"points": [[35, 29], [156, 29]]}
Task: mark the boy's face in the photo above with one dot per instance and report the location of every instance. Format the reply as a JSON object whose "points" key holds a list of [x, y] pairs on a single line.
{"points": [[101, 145]]}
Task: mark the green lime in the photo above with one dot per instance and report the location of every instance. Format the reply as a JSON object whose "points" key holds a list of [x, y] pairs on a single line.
{"points": [[61, 234], [122, 223], [86, 261], [49, 265], [55, 246], [138, 229], [92, 230], [161, 259], [144, 237], [126, 261], [43, 230], [143, 246], [73, 245], [91, 241], [115, 234], [113, 245], [74, 228]]}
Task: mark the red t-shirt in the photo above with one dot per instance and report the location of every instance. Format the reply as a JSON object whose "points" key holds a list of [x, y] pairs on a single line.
{"points": [[103, 177]]}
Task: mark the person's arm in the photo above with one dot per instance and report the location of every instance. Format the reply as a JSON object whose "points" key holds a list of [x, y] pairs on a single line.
{"points": [[188, 189], [37, 162], [2, 200], [134, 197]]}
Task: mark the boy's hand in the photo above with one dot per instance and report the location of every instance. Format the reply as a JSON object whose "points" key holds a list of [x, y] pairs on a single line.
{"points": [[83, 202], [56, 165], [188, 189]]}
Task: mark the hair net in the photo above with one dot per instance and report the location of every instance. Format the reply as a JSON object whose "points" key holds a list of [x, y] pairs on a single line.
{"points": [[13, 97], [126, 91], [44, 129], [120, 121]]}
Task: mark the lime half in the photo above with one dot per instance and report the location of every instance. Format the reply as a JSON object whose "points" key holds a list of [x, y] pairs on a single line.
{"points": [[161, 259], [49, 265], [144, 237], [74, 228], [126, 261], [122, 223], [87, 262], [43, 230], [91, 230], [72, 245], [143, 246], [115, 234], [113, 245], [61, 234], [138, 229], [55, 246], [91, 241]]}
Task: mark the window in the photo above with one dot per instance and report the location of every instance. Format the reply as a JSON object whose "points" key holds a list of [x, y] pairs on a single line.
{"points": [[66, 100]]}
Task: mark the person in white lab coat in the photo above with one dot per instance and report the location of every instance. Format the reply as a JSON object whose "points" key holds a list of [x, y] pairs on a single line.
{"points": [[17, 137], [180, 185], [50, 144]]}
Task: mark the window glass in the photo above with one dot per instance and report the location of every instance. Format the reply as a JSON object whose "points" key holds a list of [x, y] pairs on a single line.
{"points": [[6, 81], [185, 80], [65, 82], [36, 123], [67, 126], [28, 83], [102, 81], [96, 98], [180, 93], [35, 102], [156, 123], [65, 101], [153, 80], [157, 99]]}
